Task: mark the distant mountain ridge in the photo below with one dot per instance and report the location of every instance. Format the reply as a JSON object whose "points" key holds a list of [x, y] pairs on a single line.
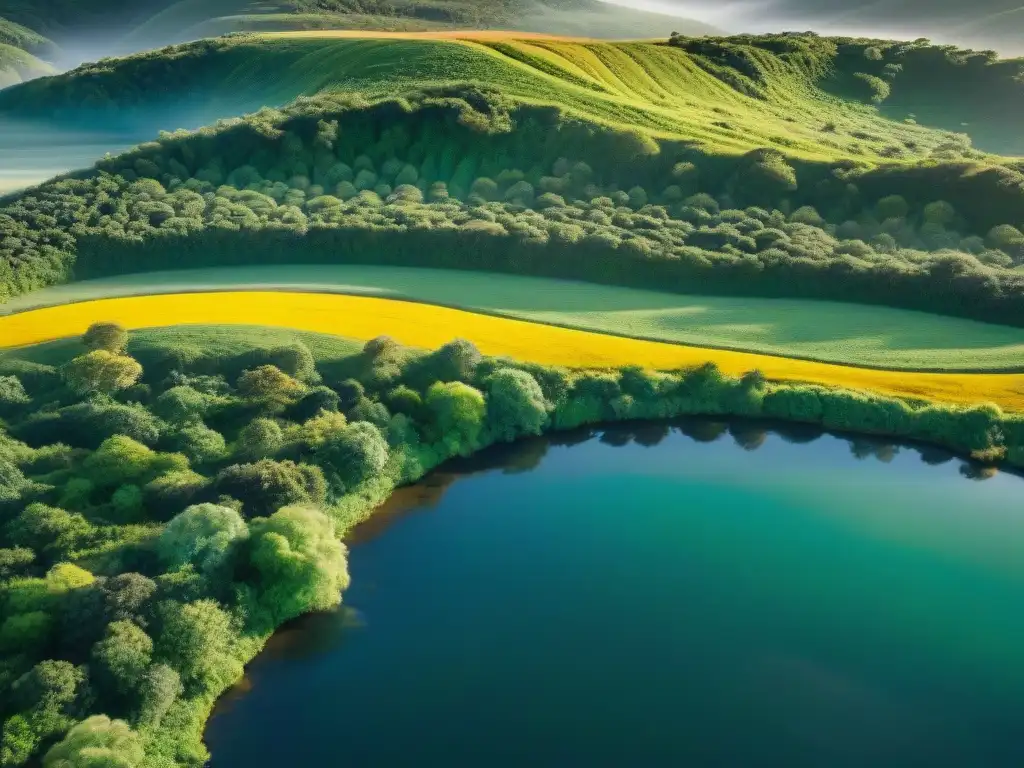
{"points": [[996, 24], [90, 30]]}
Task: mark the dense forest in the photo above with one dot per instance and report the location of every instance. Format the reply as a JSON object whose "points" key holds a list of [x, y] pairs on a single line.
{"points": [[466, 178], [162, 511]]}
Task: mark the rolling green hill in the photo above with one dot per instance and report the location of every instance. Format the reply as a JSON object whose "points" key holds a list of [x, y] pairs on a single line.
{"points": [[742, 166], [20, 49], [18, 66], [725, 95], [574, 181]]}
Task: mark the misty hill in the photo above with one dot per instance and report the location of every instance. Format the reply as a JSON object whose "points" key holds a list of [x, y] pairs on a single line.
{"points": [[89, 31], [20, 49]]}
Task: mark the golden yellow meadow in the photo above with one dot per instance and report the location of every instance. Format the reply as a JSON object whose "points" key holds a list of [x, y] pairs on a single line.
{"points": [[425, 325]]}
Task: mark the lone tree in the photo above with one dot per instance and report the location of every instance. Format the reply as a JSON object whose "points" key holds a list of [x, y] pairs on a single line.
{"points": [[109, 336]]}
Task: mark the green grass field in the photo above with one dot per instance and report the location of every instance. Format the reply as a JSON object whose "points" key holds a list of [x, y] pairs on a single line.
{"points": [[826, 331]]}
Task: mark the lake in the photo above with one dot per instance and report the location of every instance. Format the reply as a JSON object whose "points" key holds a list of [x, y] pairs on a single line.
{"points": [[701, 594]]}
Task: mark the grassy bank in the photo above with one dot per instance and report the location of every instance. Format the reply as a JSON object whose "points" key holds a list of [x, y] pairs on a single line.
{"points": [[427, 326], [848, 334]]}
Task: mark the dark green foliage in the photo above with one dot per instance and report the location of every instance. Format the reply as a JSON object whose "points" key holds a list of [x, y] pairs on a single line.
{"points": [[12, 395], [158, 688], [15, 561], [49, 531], [873, 89], [261, 438], [267, 485], [350, 393], [319, 399], [88, 423], [47, 700], [121, 658]]}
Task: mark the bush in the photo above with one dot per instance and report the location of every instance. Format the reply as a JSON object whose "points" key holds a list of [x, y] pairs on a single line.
{"points": [[515, 404], [352, 455], [200, 444], [871, 88], [110, 337], [270, 387], [456, 415], [265, 486], [202, 536], [196, 643], [101, 371], [261, 438], [298, 563]]}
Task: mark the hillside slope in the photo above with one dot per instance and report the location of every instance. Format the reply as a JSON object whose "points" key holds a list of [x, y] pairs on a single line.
{"points": [[473, 177], [694, 90]]}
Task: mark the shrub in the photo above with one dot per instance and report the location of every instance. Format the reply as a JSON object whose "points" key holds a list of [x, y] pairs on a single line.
{"points": [[266, 485], [515, 404], [456, 412], [871, 88], [351, 455], [102, 371], [260, 438], [203, 535], [110, 337], [298, 563]]}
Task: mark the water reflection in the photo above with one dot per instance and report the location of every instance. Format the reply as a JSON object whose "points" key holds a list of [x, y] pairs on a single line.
{"points": [[748, 434]]}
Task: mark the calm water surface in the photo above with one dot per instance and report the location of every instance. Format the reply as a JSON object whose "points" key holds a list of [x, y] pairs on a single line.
{"points": [[650, 598]]}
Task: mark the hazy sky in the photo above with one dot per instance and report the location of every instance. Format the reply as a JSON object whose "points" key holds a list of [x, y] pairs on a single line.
{"points": [[978, 23]]}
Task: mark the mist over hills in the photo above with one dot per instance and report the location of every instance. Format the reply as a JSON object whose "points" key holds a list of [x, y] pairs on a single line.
{"points": [[93, 30]]}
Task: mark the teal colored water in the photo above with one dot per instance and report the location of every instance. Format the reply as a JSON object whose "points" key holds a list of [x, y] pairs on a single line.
{"points": [[649, 599]]}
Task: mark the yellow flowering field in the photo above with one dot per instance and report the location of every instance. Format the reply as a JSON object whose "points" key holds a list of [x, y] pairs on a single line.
{"points": [[425, 325]]}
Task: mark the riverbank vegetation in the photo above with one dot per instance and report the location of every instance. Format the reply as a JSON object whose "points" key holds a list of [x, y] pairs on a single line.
{"points": [[161, 514]]}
